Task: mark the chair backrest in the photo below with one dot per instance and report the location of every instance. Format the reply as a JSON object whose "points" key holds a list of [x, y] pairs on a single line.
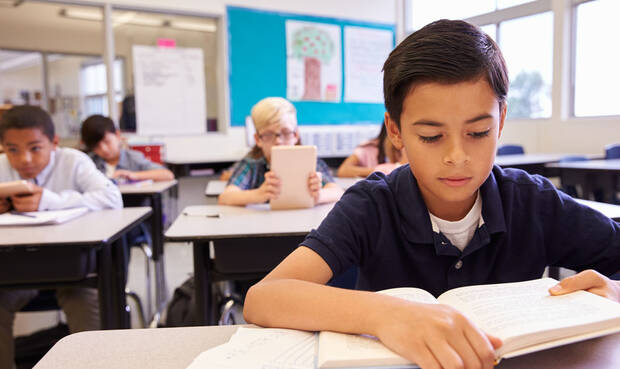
{"points": [[568, 158], [510, 150], [612, 151], [153, 152]]}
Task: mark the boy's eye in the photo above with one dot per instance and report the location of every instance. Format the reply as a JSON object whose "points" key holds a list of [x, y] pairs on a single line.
{"points": [[480, 134], [429, 139], [36, 148]]}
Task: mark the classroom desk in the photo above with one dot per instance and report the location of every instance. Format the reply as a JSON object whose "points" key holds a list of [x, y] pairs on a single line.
{"points": [[592, 174], [534, 163], [95, 237], [153, 194], [215, 187], [262, 236], [176, 348]]}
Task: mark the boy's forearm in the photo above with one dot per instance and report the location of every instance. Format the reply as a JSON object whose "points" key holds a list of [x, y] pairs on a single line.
{"points": [[155, 175], [290, 303]]}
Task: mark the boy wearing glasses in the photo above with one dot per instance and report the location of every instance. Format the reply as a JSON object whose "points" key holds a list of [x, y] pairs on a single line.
{"points": [[252, 182]]}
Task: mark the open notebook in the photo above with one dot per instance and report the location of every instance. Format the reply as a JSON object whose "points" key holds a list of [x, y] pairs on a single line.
{"points": [[40, 217]]}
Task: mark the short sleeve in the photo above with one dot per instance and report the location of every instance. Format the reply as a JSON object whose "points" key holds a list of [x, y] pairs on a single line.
{"points": [[348, 235], [326, 174], [139, 162], [242, 175]]}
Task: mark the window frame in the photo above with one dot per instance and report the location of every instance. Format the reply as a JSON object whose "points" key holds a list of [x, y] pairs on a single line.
{"points": [[563, 79]]}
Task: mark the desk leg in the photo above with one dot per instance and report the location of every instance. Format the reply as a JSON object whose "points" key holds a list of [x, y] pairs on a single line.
{"points": [[204, 308], [104, 285], [120, 315]]}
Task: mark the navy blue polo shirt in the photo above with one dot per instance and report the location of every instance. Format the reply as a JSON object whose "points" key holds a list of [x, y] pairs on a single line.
{"points": [[382, 225]]}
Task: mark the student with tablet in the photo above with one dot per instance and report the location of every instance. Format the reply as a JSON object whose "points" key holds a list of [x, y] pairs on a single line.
{"points": [[254, 180]]}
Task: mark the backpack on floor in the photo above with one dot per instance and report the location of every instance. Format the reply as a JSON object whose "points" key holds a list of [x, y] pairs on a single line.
{"points": [[181, 310]]}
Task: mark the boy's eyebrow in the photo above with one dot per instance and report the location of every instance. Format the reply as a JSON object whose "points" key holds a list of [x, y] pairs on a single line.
{"points": [[428, 122], [479, 117]]}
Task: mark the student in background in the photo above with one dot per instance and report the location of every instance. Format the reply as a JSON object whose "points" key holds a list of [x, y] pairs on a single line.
{"points": [[275, 120], [104, 141], [366, 156], [63, 178], [395, 157], [450, 219]]}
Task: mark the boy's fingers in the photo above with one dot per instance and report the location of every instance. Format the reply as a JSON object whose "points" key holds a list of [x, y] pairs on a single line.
{"points": [[483, 344], [582, 281]]}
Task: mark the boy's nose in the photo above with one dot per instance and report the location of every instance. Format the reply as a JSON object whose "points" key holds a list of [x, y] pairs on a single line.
{"points": [[456, 154], [26, 157]]}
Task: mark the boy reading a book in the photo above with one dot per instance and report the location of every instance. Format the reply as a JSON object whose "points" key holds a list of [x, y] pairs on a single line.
{"points": [[62, 178], [450, 218], [104, 141], [252, 181]]}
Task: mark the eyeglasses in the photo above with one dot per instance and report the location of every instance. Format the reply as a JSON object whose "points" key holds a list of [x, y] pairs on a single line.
{"points": [[271, 136]]}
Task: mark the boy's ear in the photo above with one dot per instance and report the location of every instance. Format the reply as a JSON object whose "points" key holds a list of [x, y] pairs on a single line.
{"points": [[257, 140], [393, 132], [55, 141], [502, 118]]}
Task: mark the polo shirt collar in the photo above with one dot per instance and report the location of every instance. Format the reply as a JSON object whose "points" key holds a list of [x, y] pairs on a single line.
{"points": [[492, 208], [416, 224]]}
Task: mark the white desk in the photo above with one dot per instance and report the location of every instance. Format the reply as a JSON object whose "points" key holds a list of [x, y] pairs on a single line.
{"points": [[262, 236], [153, 193], [535, 163], [176, 348], [57, 255], [610, 210], [216, 187]]}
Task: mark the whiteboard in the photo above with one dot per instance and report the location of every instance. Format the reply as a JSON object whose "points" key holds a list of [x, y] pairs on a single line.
{"points": [[169, 91]]}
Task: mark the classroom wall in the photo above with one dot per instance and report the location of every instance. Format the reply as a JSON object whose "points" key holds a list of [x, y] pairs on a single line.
{"points": [[585, 135]]}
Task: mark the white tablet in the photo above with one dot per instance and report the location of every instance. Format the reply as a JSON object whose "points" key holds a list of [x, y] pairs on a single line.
{"points": [[15, 188], [293, 164]]}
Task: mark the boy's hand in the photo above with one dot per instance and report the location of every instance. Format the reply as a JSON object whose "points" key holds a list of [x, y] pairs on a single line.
{"points": [[270, 189], [315, 185], [126, 174], [437, 336], [591, 281], [28, 202], [5, 205]]}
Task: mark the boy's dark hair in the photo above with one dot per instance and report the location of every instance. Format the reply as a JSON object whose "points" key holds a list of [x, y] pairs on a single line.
{"points": [[94, 129], [447, 52], [25, 117]]}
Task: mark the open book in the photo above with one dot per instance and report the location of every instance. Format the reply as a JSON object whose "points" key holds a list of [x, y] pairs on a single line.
{"points": [[40, 217], [522, 314]]}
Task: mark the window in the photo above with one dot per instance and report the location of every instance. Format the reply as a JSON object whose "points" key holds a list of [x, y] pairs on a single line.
{"points": [[524, 32], [426, 11], [597, 73], [95, 86], [527, 45]]}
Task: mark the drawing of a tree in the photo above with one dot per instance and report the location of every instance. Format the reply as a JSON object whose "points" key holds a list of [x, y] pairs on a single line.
{"points": [[314, 46]]}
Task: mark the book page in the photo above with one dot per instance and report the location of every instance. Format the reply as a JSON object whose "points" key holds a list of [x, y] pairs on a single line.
{"points": [[411, 294], [524, 313], [40, 217], [340, 350]]}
